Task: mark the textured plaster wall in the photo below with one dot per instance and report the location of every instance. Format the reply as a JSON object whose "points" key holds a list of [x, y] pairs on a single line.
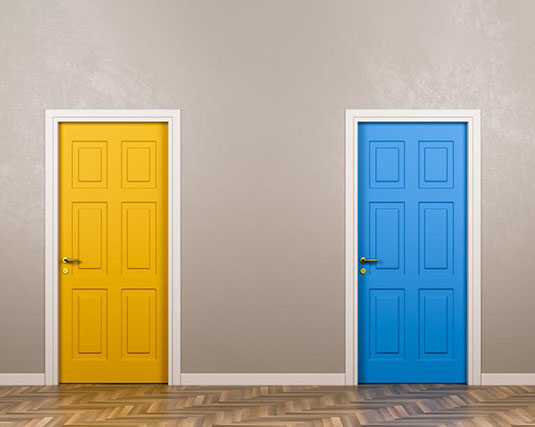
{"points": [[263, 85]]}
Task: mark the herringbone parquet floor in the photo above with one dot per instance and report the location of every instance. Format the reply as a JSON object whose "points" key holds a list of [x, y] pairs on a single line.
{"points": [[401, 405]]}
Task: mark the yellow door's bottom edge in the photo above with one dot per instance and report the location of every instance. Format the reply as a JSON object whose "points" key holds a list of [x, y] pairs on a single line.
{"points": [[112, 382]]}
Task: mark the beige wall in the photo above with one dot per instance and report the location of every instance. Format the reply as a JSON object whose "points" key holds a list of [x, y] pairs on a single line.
{"points": [[263, 85]]}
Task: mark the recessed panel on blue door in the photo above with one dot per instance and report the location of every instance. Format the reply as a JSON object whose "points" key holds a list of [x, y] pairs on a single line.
{"points": [[412, 232], [435, 311], [387, 317], [387, 164], [435, 244], [387, 237], [435, 164]]}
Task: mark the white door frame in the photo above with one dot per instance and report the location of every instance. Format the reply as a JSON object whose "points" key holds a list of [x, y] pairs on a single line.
{"points": [[473, 120], [52, 120]]}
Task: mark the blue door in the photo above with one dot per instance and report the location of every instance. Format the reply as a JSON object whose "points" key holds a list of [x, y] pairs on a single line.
{"points": [[412, 234]]}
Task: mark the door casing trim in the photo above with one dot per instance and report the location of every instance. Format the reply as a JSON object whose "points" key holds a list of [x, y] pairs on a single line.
{"points": [[52, 120], [473, 174]]}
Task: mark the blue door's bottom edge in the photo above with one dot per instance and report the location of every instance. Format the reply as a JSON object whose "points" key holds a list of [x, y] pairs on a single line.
{"points": [[413, 379]]}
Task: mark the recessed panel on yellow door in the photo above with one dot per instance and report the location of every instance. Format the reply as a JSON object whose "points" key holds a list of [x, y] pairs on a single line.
{"points": [[113, 234], [89, 238], [139, 238], [90, 323], [139, 324], [139, 164], [89, 164]]}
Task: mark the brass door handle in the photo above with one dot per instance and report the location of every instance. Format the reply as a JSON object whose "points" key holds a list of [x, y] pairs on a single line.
{"points": [[69, 260], [364, 260]]}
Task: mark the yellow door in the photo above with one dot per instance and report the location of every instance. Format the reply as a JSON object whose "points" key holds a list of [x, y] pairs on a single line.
{"points": [[113, 229]]}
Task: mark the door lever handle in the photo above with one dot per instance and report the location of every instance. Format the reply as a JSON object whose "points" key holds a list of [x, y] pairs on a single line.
{"points": [[364, 260], [69, 260]]}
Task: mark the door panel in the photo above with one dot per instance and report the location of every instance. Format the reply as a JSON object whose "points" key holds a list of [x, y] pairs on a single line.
{"points": [[412, 218], [113, 219], [436, 323], [89, 164], [139, 324], [387, 164], [139, 164], [89, 237], [139, 238], [435, 246], [387, 238], [90, 323], [387, 323]]}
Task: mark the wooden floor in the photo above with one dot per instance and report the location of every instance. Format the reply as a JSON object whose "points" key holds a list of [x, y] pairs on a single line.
{"points": [[402, 405]]}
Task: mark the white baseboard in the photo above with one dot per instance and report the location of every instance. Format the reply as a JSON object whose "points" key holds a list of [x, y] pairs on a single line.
{"points": [[263, 379], [272, 379], [22, 379], [508, 379]]}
